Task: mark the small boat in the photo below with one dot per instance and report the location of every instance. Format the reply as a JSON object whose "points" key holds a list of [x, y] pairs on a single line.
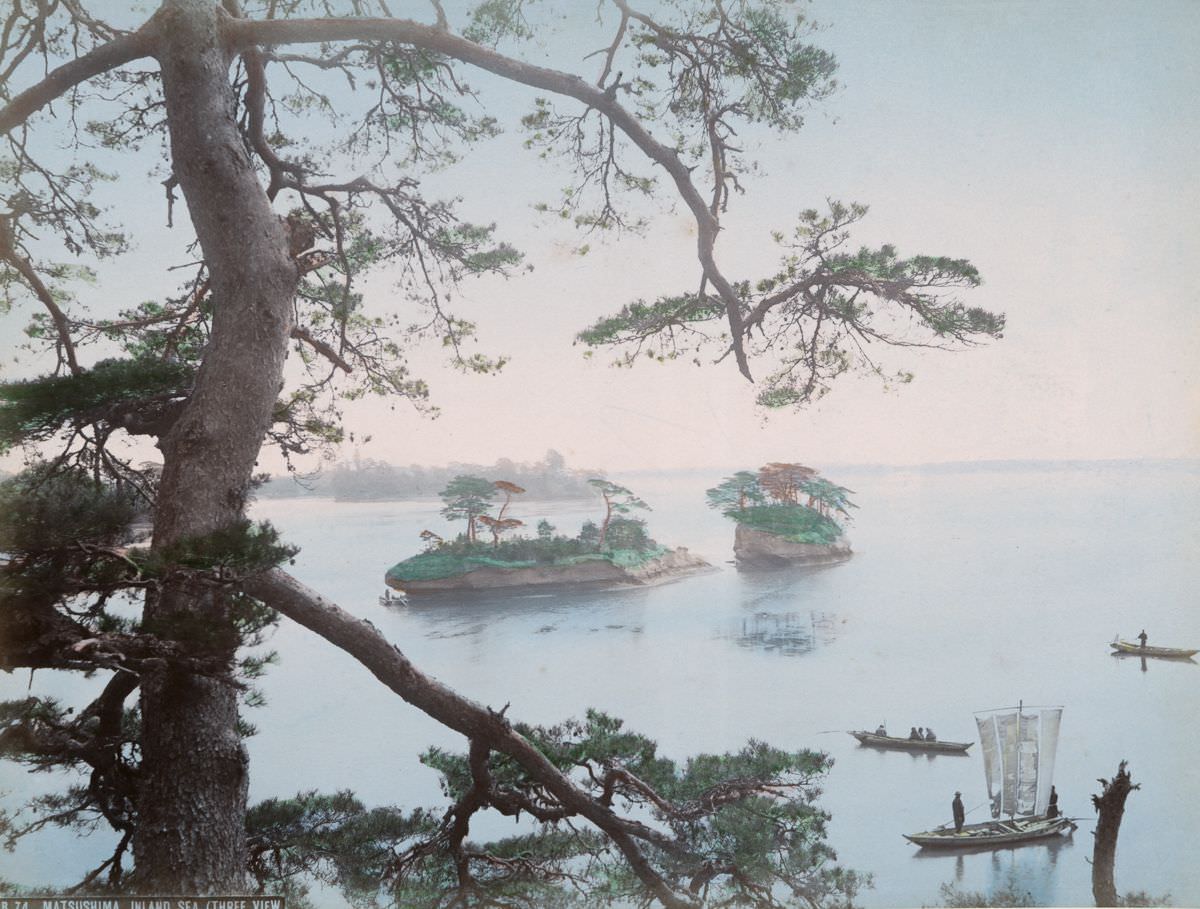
{"points": [[993, 833], [1165, 653], [388, 600], [1018, 745], [875, 740]]}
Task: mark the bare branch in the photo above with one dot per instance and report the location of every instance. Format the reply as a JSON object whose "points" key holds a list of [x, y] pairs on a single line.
{"points": [[243, 33], [9, 254], [301, 333], [107, 57]]}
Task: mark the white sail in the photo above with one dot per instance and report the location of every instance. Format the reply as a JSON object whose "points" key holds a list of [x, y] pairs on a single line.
{"points": [[1018, 746]]}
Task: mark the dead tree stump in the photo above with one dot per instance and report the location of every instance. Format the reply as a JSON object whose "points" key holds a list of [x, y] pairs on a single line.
{"points": [[1110, 807]]}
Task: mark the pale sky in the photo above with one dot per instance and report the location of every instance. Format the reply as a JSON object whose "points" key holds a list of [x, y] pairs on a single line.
{"points": [[1052, 143]]}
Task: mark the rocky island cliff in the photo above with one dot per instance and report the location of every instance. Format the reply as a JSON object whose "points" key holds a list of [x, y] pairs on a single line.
{"points": [[670, 565], [784, 514], [757, 549]]}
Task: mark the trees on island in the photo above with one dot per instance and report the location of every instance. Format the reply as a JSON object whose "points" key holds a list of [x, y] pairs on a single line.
{"points": [[498, 526], [826, 496], [297, 187], [470, 498], [617, 501], [736, 492], [467, 498], [769, 500], [782, 482]]}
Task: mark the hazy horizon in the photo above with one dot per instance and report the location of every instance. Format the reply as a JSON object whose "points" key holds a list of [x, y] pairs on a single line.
{"points": [[983, 464]]}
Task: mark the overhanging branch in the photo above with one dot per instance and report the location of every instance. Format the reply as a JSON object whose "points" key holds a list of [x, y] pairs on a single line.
{"points": [[244, 33], [107, 57], [387, 663]]}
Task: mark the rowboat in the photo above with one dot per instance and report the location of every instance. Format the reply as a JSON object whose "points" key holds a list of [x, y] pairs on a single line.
{"points": [[874, 740], [1165, 653], [1014, 832], [1018, 745]]}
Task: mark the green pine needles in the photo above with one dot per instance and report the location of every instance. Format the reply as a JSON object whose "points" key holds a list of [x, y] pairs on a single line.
{"points": [[816, 318], [786, 500], [113, 391]]}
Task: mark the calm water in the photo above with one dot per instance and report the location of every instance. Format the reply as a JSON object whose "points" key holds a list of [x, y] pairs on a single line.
{"points": [[969, 590]]}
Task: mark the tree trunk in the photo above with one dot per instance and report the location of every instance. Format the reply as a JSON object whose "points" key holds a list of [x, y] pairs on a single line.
{"points": [[1110, 806], [191, 833]]}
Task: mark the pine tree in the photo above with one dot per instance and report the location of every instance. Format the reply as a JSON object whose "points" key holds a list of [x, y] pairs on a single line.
{"points": [[281, 254]]}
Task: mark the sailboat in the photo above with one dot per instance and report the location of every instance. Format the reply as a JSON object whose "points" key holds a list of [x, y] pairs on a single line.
{"points": [[1018, 745]]}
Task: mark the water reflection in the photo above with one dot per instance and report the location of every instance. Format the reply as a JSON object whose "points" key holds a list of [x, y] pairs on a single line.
{"points": [[918, 756], [795, 581], [1027, 870], [1144, 661], [482, 608], [789, 633]]}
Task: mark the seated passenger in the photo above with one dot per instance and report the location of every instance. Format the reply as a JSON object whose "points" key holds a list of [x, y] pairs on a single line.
{"points": [[881, 730], [914, 734], [929, 736]]}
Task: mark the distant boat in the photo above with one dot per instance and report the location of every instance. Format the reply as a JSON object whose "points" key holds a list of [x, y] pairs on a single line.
{"points": [[388, 600], [1166, 653], [1018, 746], [875, 740]]}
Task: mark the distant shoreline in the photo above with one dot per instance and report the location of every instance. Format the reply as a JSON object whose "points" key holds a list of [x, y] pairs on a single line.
{"points": [[296, 491]]}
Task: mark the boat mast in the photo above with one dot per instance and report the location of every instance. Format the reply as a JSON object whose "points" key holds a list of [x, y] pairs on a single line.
{"points": [[1012, 812]]}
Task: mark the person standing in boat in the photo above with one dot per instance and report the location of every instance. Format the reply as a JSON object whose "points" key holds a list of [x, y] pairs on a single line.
{"points": [[1052, 808], [960, 814], [1142, 638]]}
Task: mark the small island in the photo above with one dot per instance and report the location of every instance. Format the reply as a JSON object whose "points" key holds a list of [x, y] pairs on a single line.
{"points": [[616, 552], [774, 527]]}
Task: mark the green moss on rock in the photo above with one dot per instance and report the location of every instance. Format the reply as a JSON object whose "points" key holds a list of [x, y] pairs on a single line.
{"points": [[794, 523], [438, 564]]}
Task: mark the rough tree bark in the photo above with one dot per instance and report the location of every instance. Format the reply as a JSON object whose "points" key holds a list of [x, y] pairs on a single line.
{"points": [[1110, 807], [191, 835]]}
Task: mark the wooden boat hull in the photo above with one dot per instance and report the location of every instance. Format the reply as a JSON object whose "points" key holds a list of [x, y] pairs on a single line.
{"points": [[873, 740], [993, 834], [1163, 653]]}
